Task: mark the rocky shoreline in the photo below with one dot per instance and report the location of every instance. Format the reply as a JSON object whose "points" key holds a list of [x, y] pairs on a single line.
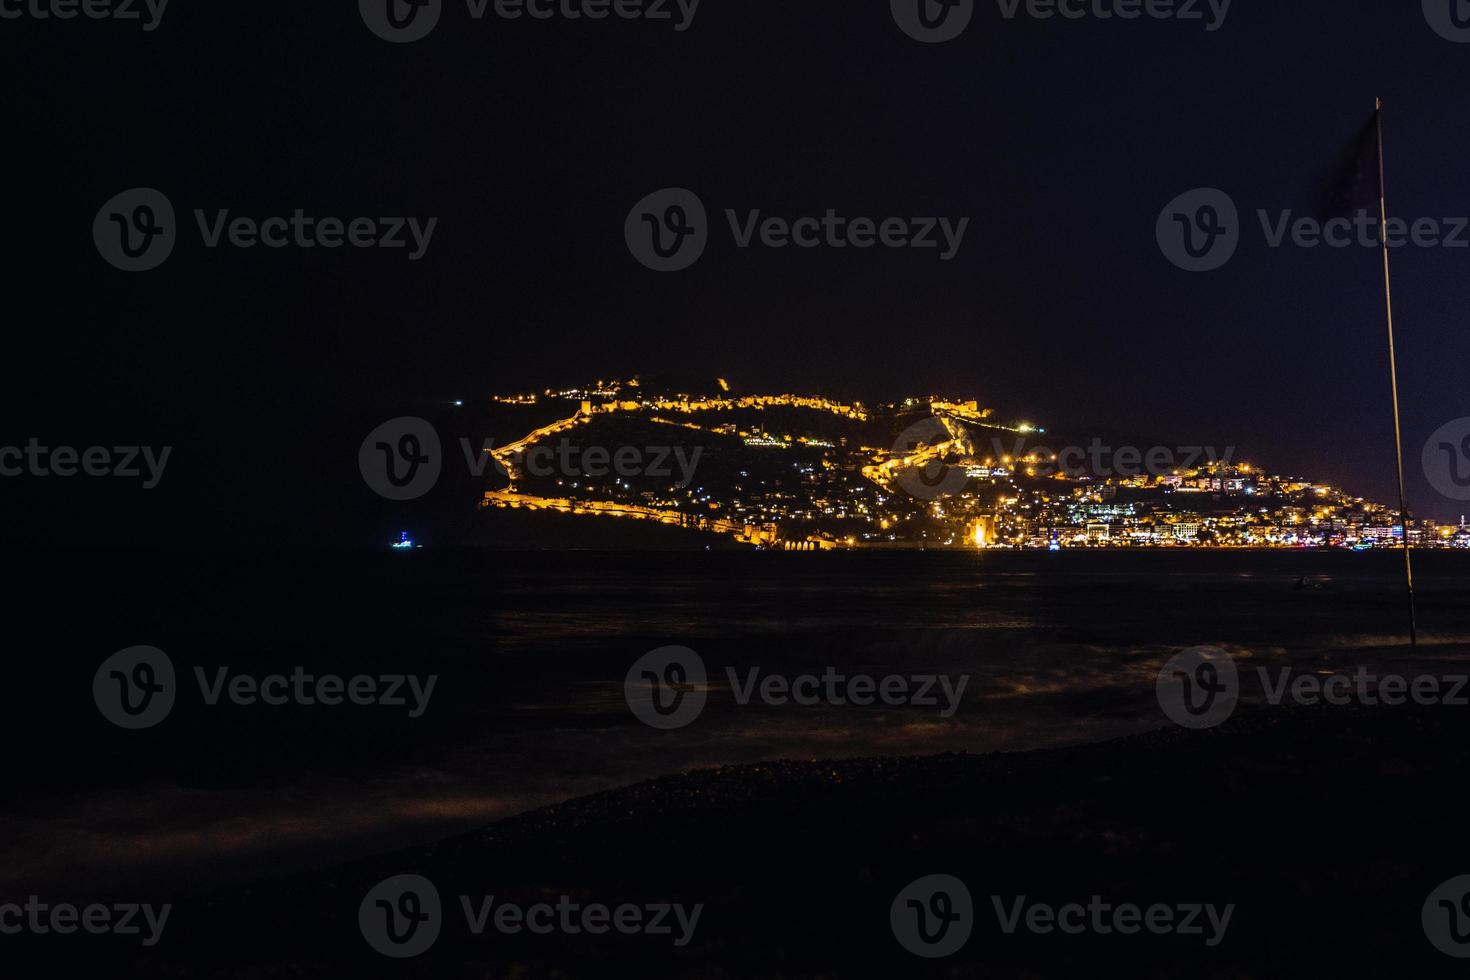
{"points": [[1325, 829]]}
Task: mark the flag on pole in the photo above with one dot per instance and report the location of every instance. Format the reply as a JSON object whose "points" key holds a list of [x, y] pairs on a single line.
{"points": [[1365, 157], [1353, 185]]}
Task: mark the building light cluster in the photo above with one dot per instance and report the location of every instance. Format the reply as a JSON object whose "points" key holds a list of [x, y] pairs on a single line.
{"points": [[836, 493]]}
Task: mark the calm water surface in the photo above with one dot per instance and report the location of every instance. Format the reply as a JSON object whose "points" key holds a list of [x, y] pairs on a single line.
{"points": [[531, 651]]}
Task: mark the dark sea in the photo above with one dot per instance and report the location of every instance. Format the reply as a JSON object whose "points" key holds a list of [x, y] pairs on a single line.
{"points": [[531, 651]]}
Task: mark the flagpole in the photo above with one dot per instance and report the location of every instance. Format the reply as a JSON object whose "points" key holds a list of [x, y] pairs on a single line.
{"points": [[1393, 370]]}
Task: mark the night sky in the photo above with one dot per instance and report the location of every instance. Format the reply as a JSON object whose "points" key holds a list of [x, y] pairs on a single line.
{"points": [[530, 141]]}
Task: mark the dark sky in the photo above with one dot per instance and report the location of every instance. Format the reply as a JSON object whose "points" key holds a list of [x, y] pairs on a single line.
{"points": [[530, 141]]}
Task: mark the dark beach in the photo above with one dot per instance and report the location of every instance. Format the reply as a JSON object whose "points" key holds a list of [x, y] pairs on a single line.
{"points": [[1325, 828]]}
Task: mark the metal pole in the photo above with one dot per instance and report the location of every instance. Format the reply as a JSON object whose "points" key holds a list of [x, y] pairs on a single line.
{"points": [[1393, 370]]}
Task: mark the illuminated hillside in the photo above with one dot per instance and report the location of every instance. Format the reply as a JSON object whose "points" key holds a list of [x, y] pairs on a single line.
{"points": [[805, 472]]}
